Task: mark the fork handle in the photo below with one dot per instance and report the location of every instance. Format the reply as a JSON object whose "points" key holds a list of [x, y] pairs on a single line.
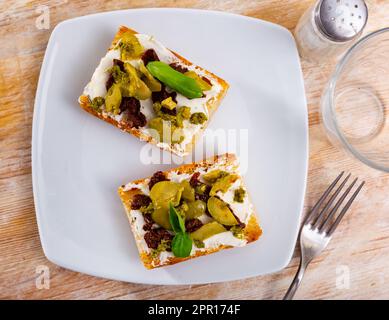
{"points": [[296, 282]]}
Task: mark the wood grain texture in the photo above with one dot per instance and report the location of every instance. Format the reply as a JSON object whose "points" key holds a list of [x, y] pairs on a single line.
{"points": [[361, 242]]}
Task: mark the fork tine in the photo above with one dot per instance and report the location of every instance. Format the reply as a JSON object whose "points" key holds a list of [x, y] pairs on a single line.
{"points": [[344, 210], [329, 203], [315, 208], [327, 221]]}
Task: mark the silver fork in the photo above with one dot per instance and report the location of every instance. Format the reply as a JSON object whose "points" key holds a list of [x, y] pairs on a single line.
{"points": [[318, 227]]}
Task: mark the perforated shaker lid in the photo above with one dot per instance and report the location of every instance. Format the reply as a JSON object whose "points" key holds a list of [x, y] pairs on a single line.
{"points": [[341, 20]]}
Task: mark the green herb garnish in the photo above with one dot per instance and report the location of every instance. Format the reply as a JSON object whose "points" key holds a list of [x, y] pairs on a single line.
{"points": [[176, 221], [175, 80], [182, 242]]}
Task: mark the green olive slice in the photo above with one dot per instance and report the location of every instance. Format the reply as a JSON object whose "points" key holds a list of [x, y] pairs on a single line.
{"points": [[223, 184], [164, 192], [161, 217], [214, 175], [195, 209], [220, 212], [130, 47], [188, 193], [113, 99], [207, 230]]}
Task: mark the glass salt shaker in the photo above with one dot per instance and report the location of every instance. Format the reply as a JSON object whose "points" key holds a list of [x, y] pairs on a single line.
{"points": [[329, 27]]}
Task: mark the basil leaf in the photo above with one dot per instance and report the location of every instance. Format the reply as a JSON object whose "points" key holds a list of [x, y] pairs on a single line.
{"points": [[182, 242], [176, 221], [182, 245], [175, 80]]}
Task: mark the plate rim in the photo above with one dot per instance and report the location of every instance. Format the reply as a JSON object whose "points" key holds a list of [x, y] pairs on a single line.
{"points": [[35, 147]]}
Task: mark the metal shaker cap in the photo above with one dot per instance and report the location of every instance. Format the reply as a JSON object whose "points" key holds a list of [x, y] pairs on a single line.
{"points": [[341, 20]]}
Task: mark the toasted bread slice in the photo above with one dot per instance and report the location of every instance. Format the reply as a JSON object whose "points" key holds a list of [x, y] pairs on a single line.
{"points": [[208, 104], [243, 211]]}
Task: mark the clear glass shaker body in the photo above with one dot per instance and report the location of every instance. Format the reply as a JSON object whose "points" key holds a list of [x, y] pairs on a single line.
{"points": [[312, 44]]}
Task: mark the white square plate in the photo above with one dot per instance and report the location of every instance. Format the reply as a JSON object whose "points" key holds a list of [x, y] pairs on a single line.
{"points": [[78, 161]]}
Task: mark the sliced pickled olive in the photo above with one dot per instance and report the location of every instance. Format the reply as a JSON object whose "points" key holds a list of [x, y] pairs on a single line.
{"points": [[130, 47], [188, 193], [164, 192], [161, 217], [165, 131], [182, 209], [153, 84], [118, 75], [195, 209], [168, 103], [205, 86], [113, 99], [202, 188], [223, 184], [220, 212], [136, 87], [175, 80], [214, 175], [207, 230]]}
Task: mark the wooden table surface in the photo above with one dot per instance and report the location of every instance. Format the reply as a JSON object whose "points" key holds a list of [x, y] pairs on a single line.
{"points": [[359, 249]]}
